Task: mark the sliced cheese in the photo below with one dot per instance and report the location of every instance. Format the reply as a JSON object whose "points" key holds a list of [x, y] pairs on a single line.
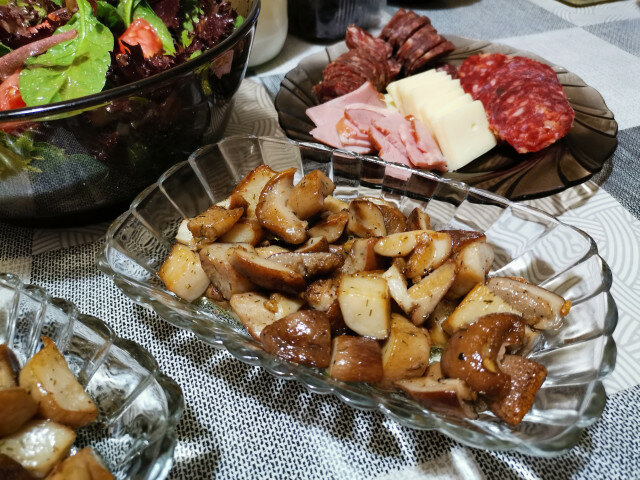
{"points": [[453, 104], [413, 94], [463, 134], [388, 100], [428, 107], [395, 89]]}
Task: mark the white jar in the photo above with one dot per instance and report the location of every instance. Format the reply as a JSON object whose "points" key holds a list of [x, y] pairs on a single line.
{"points": [[271, 31]]}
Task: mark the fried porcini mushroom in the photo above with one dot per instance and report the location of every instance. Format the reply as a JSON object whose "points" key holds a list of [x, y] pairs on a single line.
{"points": [[362, 256], [9, 367], [83, 465], [394, 219], [307, 197], [266, 252], [330, 227], [448, 396], [432, 250], [334, 205], [442, 311], [418, 220], [216, 263], [246, 230], [474, 260], [303, 337], [461, 238], [526, 378], [310, 264], [183, 273], [250, 188], [430, 290], [365, 219], [12, 470], [322, 295], [274, 213], [399, 244], [314, 244], [540, 308], [267, 273], [256, 311], [473, 354], [405, 354], [17, 407], [213, 223], [356, 359], [365, 305]]}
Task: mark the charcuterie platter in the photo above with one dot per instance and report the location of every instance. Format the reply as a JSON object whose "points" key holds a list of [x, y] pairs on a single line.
{"points": [[583, 140]]}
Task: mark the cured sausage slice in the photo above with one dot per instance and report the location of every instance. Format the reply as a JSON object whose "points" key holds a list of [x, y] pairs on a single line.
{"points": [[436, 52]]}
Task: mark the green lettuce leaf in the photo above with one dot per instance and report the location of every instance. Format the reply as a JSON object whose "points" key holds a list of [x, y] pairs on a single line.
{"points": [[143, 10], [109, 16], [71, 69], [4, 49]]}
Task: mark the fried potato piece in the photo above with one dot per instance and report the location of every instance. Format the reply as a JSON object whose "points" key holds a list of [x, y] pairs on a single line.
{"points": [[46, 376]]}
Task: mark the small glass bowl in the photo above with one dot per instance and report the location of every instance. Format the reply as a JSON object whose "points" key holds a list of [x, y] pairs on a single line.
{"points": [[138, 406], [528, 243]]}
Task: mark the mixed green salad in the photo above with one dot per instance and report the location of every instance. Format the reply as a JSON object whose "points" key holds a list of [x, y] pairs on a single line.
{"points": [[55, 50]]}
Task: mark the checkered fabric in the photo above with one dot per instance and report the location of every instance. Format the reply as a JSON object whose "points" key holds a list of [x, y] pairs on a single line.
{"points": [[241, 423]]}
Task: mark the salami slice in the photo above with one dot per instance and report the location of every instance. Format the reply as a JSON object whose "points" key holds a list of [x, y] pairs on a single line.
{"points": [[357, 38], [420, 42], [430, 56], [529, 119], [390, 28], [405, 30], [475, 71]]}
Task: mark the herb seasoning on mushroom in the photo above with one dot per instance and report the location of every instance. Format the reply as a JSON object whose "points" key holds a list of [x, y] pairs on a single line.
{"points": [[361, 289]]}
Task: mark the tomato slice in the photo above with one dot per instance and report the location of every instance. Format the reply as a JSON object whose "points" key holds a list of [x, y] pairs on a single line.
{"points": [[140, 32], [10, 97]]}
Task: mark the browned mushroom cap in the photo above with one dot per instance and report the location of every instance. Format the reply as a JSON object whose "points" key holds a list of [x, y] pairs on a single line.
{"points": [[539, 307], [303, 337], [331, 227], [394, 219], [267, 273], [460, 238], [307, 197], [472, 354], [256, 311], [448, 396], [246, 230], [322, 295], [362, 256], [216, 263], [310, 264], [356, 359], [418, 220], [365, 219], [314, 244], [432, 250], [333, 205], [273, 212], [527, 377], [214, 222]]}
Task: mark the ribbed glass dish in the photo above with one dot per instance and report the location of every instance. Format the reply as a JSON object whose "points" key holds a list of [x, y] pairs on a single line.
{"points": [[528, 243], [138, 407]]}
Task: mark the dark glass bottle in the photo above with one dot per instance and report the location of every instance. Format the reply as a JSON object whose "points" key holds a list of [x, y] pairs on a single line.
{"points": [[328, 19]]}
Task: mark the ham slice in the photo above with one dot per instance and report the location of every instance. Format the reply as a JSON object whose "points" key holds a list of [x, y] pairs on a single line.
{"points": [[387, 147], [333, 111]]}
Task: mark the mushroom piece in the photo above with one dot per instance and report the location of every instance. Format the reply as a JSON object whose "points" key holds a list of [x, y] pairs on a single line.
{"points": [[322, 295], [394, 219], [251, 186], [526, 378], [365, 305], [362, 256], [479, 302], [399, 244], [84, 465], [256, 311], [427, 294], [473, 354], [331, 227], [309, 264], [461, 238], [267, 273], [266, 252], [406, 352], [216, 262], [12, 470], [184, 235], [431, 251], [213, 223], [9, 368], [183, 274], [540, 308], [447, 396], [212, 293], [356, 359], [274, 213], [17, 407], [418, 220], [302, 337], [334, 205], [365, 219], [442, 311], [314, 244], [246, 230], [307, 197], [398, 288], [474, 261]]}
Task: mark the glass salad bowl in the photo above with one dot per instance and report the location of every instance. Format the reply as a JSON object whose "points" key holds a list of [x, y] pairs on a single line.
{"points": [[92, 155], [527, 242], [138, 407]]}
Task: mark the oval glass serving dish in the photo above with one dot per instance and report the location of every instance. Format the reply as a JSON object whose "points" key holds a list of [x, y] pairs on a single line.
{"points": [[138, 406], [527, 242]]}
